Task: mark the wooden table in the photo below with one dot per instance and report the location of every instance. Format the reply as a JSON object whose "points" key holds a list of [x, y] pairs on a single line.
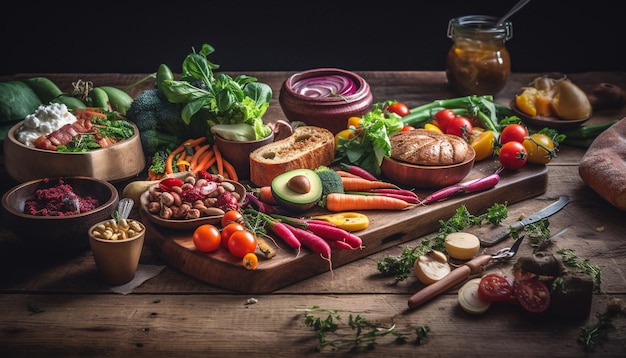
{"points": [[176, 315]]}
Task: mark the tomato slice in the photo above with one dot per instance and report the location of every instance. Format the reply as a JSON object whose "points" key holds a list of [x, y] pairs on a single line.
{"points": [[532, 294], [495, 287], [168, 183]]}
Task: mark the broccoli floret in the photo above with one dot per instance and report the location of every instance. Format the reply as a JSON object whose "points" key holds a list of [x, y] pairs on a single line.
{"points": [[153, 140], [158, 120], [331, 181], [158, 163]]}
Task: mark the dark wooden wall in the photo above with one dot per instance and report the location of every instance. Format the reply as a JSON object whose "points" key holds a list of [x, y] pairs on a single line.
{"points": [[548, 35]]}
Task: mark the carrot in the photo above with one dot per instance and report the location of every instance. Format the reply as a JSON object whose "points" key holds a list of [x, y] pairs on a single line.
{"points": [[199, 152], [333, 233], [182, 163], [206, 163], [313, 242], [264, 247], [408, 198], [346, 202], [358, 171], [89, 113], [345, 174], [170, 158], [360, 184], [219, 160], [265, 195], [230, 170]]}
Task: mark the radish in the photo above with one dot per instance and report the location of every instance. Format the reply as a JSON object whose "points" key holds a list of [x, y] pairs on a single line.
{"points": [[313, 242], [335, 234], [341, 245], [259, 205], [282, 231], [471, 186], [358, 171], [394, 191]]}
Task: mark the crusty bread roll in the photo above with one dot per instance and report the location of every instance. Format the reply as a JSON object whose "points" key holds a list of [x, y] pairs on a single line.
{"points": [[424, 147], [307, 148], [603, 167]]}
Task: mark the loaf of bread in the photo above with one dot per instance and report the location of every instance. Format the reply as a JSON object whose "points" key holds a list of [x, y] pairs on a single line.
{"points": [[603, 166], [307, 148], [424, 147]]}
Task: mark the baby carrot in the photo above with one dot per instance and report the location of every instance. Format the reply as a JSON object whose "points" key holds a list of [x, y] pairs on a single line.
{"points": [[345, 174], [230, 170], [361, 184], [265, 195], [347, 202], [198, 154], [169, 161]]}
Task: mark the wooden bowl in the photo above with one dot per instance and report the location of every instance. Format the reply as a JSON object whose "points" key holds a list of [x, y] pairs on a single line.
{"points": [[118, 162], [330, 112], [546, 121], [190, 224], [58, 234], [427, 176]]}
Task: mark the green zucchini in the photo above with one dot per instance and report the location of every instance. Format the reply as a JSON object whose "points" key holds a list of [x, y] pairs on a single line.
{"points": [[45, 89], [70, 101], [17, 100], [590, 131]]}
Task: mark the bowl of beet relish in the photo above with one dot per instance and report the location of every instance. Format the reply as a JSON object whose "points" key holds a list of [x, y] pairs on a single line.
{"points": [[53, 215], [325, 97]]}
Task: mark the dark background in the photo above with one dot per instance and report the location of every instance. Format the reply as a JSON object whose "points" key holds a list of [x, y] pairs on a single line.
{"points": [[548, 35]]}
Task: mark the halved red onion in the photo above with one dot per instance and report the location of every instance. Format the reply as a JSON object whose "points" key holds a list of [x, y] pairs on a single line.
{"points": [[325, 86]]}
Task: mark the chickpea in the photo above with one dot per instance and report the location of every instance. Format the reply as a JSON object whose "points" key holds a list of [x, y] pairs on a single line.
{"points": [[113, 230]]}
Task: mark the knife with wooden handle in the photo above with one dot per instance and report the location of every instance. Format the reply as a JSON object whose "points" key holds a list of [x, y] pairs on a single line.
{"points": [[452, 279]]}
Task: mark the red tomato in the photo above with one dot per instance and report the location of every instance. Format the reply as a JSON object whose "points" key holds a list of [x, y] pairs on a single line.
{"points": [[494, 287], [444, 117], [241, 242], [513, 133], [533, 295], [207, 238], [399, 108], [460, 126], [513, 155], [407, 128], [228, 230], [232, 216]]}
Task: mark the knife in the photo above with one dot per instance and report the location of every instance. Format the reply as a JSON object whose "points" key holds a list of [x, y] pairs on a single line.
{"points": [[539, 215]]}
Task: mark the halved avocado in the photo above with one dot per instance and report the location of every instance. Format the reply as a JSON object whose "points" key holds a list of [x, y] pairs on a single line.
{"points": [[297, 200]]}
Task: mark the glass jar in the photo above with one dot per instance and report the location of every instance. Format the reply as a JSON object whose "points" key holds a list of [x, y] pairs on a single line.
{"points": [[478, 63]]}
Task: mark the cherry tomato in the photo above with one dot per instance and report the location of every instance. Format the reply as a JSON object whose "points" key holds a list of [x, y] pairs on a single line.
{"points": [[399, 108], [207, 238], [460, 126], [228, 230], [241, 242], [513, 155], [495, 287], [250, 261], [232, 216], [533, 295], [513, 133], [444, 117], [407, 128], [540, 148]]}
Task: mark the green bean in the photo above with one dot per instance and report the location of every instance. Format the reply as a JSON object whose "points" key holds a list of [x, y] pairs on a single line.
{"points": [[587, 132]]}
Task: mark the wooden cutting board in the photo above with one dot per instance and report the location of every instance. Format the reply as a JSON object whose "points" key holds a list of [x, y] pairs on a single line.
{"points": [[387, 228]]}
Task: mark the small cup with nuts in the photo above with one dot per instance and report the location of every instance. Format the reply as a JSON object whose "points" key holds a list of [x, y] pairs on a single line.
{"points": [[116, 245]]}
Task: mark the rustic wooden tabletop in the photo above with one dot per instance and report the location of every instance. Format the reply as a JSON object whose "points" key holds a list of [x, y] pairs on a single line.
{"points": [[52, 307]]}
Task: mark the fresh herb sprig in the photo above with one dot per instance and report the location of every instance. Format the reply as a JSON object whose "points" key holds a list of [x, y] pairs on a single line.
{"points": [[357, 333], [400, 266], [592, 336]]}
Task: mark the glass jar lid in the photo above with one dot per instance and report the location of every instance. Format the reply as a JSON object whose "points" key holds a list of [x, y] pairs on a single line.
{"points": [[480, 25]]}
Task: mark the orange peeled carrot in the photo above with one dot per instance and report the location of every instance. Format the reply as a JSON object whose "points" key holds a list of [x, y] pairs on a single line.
{"points": [[205, 163], [265, 195], [345, 174], [198, 154], [218, 160], [360, 184], [338, 202], [230, 170], [180, 149], [89, 113]]}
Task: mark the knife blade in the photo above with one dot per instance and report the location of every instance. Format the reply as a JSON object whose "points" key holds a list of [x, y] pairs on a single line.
{"points": [[549, 210]]}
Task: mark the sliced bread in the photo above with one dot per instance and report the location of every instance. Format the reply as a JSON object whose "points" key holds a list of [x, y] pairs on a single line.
{"points": [[307, 148]]}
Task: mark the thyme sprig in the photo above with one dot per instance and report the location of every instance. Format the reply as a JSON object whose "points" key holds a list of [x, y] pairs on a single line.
{"points": [[400, 266], [357, 333]]}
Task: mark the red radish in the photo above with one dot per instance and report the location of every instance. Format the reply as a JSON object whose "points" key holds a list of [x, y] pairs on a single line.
{"points": [[412, 199], [335, 234], [394, 191], [313, 242], [284, 233], [341, 245], [471, 186], [356, 170], [259, 205]]}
